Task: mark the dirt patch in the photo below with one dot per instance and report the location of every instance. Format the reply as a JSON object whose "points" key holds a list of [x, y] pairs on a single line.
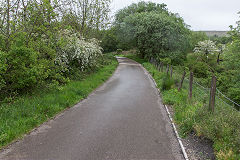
{"points": [[197, 148]]}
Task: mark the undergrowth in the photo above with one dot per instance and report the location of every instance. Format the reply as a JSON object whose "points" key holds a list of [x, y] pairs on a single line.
{"points": [[29, 111]]}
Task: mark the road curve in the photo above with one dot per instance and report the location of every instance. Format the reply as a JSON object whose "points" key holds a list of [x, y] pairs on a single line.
{"points": [[122, 120]]}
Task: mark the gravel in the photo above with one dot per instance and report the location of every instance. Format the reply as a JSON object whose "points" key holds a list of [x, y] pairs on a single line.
{"points": [[197, 148]]}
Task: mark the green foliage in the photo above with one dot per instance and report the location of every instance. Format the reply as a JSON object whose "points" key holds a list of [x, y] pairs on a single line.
{"points": [[222, 127], [109, 40], [37, 55], [165, 61], [206, 47], [221, 40], [153, 30], [207, 53], [229, 78], [119, 51], [199, 68], [2, 42], [31, 110], [136, 58], [22, 70], [168, 83], [139, 8], [196, 37], [124, 32]]}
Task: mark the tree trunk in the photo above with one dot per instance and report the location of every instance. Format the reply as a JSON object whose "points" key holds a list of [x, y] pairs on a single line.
{"points": [[8, 25], [167, 69], [181, 83]]}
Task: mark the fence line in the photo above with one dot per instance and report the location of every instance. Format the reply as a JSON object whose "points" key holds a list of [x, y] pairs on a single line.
{"points": [[156, 63], [228, 98]]}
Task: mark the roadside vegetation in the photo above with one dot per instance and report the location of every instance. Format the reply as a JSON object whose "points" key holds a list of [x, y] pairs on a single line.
{"points": [[31, 110], [221, 127], [51, 57]]}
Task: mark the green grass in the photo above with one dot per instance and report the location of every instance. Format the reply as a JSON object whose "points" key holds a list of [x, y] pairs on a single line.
{"points": [[221, 127], [27, 112]]}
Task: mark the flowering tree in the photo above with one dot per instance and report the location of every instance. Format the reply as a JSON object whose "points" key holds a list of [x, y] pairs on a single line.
{"points": [[206, 47], [75, 50], [206, 52]]}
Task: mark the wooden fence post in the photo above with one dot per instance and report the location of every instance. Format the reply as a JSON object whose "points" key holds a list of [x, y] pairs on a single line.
{"points": [[212, 94], [162, 67], [181, 83], [159, 65], [167, 69], [171, 72], [190, 85]]}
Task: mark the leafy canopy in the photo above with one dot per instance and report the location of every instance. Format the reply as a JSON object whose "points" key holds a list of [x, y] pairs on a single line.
{"points": [[154, 30]]}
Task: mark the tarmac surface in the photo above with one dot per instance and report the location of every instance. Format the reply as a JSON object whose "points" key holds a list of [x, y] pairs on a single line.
{"points": [[123, 119]]}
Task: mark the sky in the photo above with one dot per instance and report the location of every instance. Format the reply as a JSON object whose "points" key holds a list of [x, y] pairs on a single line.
{"points": [[199, 14]]}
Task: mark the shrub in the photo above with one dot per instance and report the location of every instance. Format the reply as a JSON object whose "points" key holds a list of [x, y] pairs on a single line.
{"points": [[77, 52], [166, 61], [168, 83], [119, 51], [21, 68]]}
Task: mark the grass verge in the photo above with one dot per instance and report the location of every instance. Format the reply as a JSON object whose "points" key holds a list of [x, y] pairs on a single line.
{"points": [[27, 112], [221, 127]]}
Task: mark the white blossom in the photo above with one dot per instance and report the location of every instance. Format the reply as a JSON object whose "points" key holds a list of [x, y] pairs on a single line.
{"points": [[85, 52], [206, 47]]}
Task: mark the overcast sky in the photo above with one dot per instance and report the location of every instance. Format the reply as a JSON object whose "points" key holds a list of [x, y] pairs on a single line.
{"points": [[199, 14]]}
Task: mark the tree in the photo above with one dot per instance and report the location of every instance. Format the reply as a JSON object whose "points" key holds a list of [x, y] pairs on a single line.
{"points": [[207, 52], [153, 30], [206, 47], [109, 40], [125, 33], [90, 14], [33, 49], [196, 37]]}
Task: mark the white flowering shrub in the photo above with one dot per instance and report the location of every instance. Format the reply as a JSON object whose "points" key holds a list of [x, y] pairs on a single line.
{"points": [[75, 50], [206, 47]]}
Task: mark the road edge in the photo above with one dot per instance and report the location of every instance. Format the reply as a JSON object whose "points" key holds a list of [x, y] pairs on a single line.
{"points": [[169, 116]]}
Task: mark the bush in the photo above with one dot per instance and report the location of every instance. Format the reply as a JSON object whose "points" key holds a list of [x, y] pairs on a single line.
{"points": [[198, 67], [119, 51], [166, 61], [22, 68], [77, 52], [168, 83]]}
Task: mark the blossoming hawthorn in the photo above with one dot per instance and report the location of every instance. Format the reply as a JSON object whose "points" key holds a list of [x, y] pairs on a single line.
{"points": [[77, 49], [206, 47]]}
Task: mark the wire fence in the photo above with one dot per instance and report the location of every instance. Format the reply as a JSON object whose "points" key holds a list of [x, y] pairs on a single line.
{"points": [[199, 91]]}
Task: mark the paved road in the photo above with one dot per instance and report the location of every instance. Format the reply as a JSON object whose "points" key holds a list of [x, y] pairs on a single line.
{"points": [[122, 120]]}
